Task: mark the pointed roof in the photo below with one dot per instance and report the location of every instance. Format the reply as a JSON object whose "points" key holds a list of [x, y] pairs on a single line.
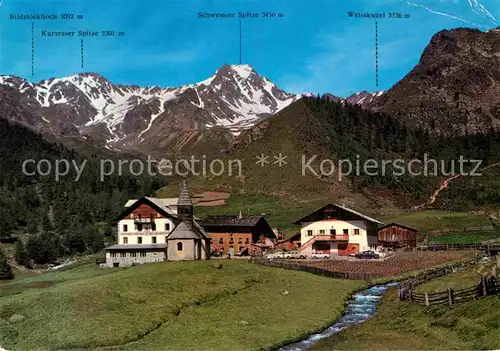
{"points": [[350, 211], [151, 201], [184, 198], [398, 225], [185, 231]]}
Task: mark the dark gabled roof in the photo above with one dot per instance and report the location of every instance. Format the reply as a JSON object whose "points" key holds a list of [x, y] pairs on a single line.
{"points": [[153, 202], [358, 214], [237, 221], [398, 225]]}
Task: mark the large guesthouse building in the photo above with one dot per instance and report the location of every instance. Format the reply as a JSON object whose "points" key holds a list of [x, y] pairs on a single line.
{"points": [[152, 230], [240, 234], [337, 230]]}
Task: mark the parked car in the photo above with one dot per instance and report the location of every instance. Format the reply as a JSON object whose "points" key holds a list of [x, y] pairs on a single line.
{"points": [[367, 255], [275, 255], [270, 256], [320, 255], [294, 254]]}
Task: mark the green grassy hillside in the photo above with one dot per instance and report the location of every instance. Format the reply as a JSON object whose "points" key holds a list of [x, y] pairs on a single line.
{"points": [[184, 305]]}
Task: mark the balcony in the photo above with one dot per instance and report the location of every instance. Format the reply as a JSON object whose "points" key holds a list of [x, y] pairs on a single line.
{"points": [[331, 237], [144, 220]]}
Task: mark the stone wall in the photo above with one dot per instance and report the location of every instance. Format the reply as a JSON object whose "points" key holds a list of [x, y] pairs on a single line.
{"points": [[188, 251], [128, 260]]}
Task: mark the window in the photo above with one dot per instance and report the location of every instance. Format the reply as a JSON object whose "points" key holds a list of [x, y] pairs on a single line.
{"points": [[333, 232], [143, 254], [322, 232], [247, 241], [309, 233], [179, 246], [345, 231], [167, 227], [123, 254], [139, 239], [221, 241], [153, 239], [125, 240], [240, 240], [125, 227], [231, 240], [356, 231], [113, 254], [133, 254]]}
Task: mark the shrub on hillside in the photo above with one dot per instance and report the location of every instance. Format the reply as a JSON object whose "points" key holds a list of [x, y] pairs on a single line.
{"points": [[21, 255]]}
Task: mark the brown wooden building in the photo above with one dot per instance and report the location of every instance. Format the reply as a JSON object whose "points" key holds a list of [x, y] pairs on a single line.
{"points": [[238, 234], [292, 243], [397, 235]]}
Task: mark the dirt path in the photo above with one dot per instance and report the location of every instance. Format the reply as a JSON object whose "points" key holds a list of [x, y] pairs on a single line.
{"points": [[435, 193], [444, 184]]}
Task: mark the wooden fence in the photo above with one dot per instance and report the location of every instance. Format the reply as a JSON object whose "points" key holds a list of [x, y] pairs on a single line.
{"points": [[481, 228], [492, 247], [316, 270], [486, 287]]}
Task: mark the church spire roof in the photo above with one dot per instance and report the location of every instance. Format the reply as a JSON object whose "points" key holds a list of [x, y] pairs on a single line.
{"points": [[184, 198]]}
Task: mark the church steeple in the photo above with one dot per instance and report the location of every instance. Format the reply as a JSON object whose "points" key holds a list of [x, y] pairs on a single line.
{"points": [[184, 204]]}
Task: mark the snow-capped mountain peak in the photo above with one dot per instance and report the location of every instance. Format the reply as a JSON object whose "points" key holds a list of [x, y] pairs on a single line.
{"points": [[234, 97]]}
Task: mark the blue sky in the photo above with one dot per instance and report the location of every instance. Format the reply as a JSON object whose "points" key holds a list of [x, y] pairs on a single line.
{"points": [[314, 48]]}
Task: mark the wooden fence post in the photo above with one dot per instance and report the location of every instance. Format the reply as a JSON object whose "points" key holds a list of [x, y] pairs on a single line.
{"points": [[426, 299], [485, 290], [410, 293], [450, 297]]}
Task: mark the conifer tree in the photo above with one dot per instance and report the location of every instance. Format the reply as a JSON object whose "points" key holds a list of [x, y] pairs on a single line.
{"points": [[5, 269]]}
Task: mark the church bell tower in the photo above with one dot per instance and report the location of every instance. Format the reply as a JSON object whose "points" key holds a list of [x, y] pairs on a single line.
{"points": [[184, 205]]}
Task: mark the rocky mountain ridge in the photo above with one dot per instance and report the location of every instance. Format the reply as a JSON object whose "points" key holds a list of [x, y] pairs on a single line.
{"points": [[87, 105]]}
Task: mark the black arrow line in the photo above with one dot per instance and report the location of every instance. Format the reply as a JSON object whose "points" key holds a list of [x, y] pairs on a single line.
{"points": [[376, 54], [33, 49], [240, 42], [81, 51]]}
